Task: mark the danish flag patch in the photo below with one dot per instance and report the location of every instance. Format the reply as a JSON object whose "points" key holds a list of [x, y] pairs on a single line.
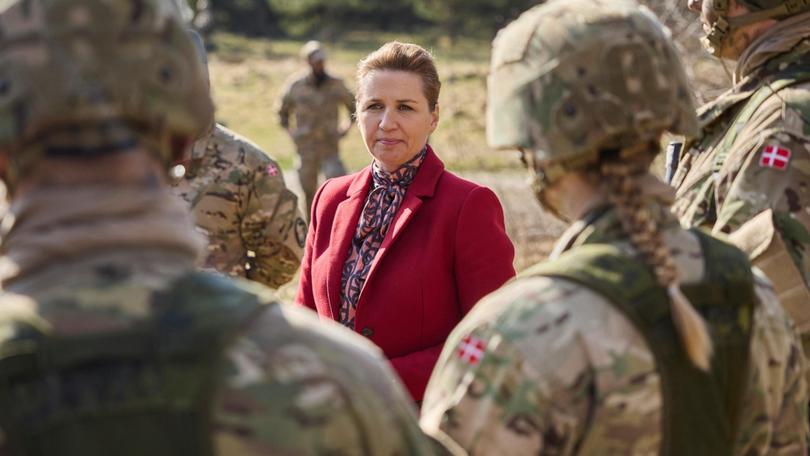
{"points": [[775, 157], [272, 170], [471, 350]]}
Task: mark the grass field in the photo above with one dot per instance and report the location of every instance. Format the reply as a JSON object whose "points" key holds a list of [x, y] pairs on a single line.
{"points": [[248, 76]]}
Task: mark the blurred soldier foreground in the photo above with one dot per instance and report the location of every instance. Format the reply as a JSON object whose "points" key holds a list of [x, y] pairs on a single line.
{"points": [[748, 171], [315, 98], [110, 343], [601, 350], [238, 198]]}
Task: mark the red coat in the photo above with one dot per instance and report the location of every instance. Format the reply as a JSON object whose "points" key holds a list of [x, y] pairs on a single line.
{"points": [[445, 249]]}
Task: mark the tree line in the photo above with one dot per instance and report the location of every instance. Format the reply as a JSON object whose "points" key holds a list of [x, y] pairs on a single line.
{"points": [[327, 19]]}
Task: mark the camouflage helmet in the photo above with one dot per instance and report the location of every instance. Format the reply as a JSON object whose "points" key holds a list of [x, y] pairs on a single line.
{"points": [[570, 78], [84, 77], [761, 10]]}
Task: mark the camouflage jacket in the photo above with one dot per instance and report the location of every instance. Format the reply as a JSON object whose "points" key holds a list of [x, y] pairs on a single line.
{"points": [[547, 366], [315, 108], [238, 198], [753, 156], [289, 384]]}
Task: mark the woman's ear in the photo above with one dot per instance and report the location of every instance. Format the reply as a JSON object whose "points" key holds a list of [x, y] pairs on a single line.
{"points": [[434, 118]]}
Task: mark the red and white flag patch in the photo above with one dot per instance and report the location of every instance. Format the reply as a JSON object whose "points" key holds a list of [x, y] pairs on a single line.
{"points": [[471, 350], [775, 157], [272, 170]]}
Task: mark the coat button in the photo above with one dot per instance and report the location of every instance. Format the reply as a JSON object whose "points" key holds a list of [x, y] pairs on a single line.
{"points": [[367, 332]]}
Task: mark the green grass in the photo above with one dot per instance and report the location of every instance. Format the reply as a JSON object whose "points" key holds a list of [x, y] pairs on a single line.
{"points": [[248, 75]]}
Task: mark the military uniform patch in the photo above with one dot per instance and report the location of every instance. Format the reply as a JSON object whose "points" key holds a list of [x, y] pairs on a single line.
{"points": [[775, 157], [471, 350], [272, 170]]}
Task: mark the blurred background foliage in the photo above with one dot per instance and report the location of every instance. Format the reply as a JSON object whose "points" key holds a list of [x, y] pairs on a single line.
{"points": [[330, 19], [254, 51]]}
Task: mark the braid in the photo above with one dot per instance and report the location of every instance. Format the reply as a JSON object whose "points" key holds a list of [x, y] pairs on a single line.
{"points": [[645, 236]]}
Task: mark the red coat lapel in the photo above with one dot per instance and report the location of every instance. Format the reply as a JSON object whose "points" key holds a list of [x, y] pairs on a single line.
{"points": [[343, 228], [423, 186]]}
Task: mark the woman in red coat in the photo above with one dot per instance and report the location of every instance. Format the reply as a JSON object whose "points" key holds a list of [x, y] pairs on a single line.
{"points": [[403, 249]]}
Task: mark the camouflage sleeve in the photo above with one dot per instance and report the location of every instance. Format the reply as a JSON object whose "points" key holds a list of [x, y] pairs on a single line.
{"points": [[272, 226], [774, 416], [773, 173], [296, 385], [285, 107], [521, 375]]}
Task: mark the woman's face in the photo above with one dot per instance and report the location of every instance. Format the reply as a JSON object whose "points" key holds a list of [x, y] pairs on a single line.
{"points": [[394, 116]]}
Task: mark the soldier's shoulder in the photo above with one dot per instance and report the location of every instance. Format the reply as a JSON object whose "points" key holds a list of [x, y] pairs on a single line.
{"points": [[287, 325], [334, 79], [797, 99], [274, 324], [231, 145], [538, 307], [295, 385], [296, 80]]}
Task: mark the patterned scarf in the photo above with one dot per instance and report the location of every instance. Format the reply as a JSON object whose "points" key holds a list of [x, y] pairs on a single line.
{"points": [[386, 195]]}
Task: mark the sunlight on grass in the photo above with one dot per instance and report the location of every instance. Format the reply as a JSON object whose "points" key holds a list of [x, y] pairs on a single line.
{"points": [[248, 77]]}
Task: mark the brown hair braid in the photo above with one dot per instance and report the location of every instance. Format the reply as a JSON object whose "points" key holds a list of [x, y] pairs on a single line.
{"points": [[624, 193]]}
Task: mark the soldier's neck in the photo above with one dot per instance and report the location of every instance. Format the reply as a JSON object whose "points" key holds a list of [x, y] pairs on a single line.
{"points": [[129, 168], [49, 225]]}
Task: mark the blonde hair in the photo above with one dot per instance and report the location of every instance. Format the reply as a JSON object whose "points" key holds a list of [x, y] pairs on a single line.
{"points": [[412, 58], [645, 235]]}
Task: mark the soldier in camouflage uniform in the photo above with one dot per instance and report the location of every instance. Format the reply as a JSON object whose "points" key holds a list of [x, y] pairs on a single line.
{"points": [[315, 98], [638, 337], [748, 171], [238, 198], [110, 342], [239, 201]]}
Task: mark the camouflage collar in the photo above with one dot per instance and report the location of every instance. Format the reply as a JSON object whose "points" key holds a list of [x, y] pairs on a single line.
{"points": [[785, 42], [602, 226], [781, 67]]}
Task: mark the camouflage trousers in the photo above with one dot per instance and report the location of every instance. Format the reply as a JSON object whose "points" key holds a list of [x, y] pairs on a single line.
{"points": [[313, 159]]}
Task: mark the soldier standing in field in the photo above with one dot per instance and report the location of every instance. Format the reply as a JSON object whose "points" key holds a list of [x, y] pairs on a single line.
{"points": [[314, 99], [237, 195], [638, 337], [747, 173], [110, 342]]}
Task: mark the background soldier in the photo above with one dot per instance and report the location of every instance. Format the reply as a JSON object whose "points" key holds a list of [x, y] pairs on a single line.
{"points": [[748, 171], [601, 350], [315, 98], [110, 343], [238, 198]]}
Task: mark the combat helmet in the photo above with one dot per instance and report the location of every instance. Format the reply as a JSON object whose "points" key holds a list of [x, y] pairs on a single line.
{"points": [[86, 77], [761, 10], [572, 78]]}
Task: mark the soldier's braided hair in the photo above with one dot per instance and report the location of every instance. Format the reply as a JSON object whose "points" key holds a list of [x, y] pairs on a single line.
{"points": [[621, 177]]}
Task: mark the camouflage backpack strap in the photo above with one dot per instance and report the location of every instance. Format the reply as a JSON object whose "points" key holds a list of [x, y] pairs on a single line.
{"points": [[794, 74], [701, 409], [143, 391]]}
